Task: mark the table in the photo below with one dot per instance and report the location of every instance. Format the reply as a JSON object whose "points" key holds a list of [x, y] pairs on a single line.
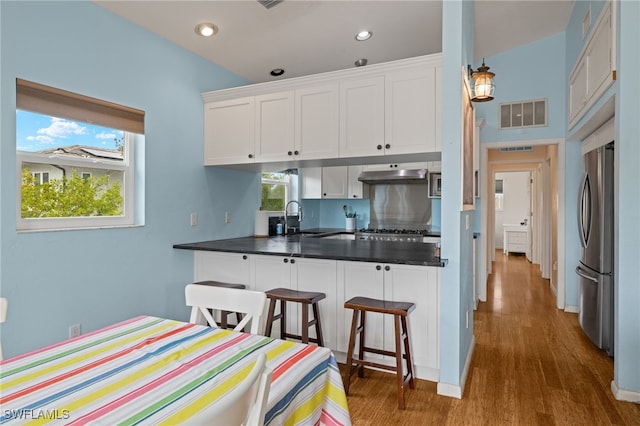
{"points": [[150, 370]]}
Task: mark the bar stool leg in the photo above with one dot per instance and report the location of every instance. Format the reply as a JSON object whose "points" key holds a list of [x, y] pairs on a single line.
{"points": [[361, 343], [352, 343], [399, 373], [272, 308], [407, 351], [316, 315], [283, 320], [305, 323]]}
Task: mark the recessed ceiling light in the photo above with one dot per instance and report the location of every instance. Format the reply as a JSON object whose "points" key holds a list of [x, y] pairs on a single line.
{"points": [[277, 72], [206, 29], [364, 35], [361, 62]]}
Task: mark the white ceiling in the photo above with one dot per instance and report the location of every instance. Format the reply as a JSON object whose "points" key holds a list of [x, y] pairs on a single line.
{"points": [[308, 37]]}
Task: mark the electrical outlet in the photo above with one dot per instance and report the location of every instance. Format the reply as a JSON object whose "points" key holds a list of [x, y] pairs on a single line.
{"points": [[227, 217], [194, 218], [74, 331], [467, 223]]}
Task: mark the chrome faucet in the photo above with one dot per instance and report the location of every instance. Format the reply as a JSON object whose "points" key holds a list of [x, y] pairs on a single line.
{"points": [[286, 208]]}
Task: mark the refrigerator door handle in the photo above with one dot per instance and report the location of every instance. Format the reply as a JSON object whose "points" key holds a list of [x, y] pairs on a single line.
{"points": [[584, 275], [584, 211]]}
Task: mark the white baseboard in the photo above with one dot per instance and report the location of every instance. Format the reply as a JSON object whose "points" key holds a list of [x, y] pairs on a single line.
{"points": [[455, 391], [624, 395], [554, 289], [571, 309]]}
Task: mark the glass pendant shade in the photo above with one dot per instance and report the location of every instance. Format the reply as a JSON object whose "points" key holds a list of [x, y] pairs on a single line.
{"points": [[483, 86]]}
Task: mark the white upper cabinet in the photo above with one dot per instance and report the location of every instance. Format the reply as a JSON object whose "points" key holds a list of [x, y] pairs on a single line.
{"points": [[385, 109], [335, 182], [410, 119], [274, 126], [355, 188], [594, 70], [316, 122], [362, 117], [229, 131]]}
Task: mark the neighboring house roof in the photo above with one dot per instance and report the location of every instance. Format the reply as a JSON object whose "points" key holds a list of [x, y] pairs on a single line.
{"points": [[84, 152]]}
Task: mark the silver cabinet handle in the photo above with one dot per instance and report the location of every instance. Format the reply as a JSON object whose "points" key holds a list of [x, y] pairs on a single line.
{"points": [[585, 276]]}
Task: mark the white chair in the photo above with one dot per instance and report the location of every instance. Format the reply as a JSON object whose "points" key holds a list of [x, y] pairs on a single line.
{"points": [[245, 405], [201, 298], [3, 316]]}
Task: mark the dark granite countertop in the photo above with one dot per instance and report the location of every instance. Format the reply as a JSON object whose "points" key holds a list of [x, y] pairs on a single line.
{"points": [[313, 247]]}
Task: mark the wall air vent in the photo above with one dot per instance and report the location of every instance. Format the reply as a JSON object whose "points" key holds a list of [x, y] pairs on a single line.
{"points": [[516, 115], [270, 3], [517, 149]]}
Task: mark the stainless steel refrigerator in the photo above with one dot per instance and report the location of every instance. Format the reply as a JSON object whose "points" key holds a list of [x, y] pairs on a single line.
{"points": [[595, 224]]}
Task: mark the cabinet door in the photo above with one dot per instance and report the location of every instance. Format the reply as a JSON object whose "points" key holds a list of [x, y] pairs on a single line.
{"points": [[229, 132], [274, 127], [334, 182], [577, 90], [355, 188], [362, 117], [317, 275], [438, 104], [410, 111], [224, 267], [316, 122], [359, 279], [311, 182], [419, 285], [599, 57], [270, 272]]}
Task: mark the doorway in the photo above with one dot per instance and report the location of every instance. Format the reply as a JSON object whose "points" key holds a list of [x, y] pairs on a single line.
{"points": [[540, 158]]}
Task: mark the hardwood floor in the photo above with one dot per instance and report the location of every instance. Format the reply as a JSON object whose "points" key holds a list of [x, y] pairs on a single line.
{"points": [[532, 365]]}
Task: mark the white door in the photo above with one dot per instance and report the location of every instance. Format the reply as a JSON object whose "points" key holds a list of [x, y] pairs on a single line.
{"points": [[274, 127], [316, 122], [362, 117], [229, 130]]}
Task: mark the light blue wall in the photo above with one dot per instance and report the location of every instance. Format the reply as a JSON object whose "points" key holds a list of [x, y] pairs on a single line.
{"points": [[534, 71], [97, 277], [457, 242], [627, 203]]}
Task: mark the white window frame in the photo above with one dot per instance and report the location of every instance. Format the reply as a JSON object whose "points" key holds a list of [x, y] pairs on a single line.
{"points": [[66, 223]]}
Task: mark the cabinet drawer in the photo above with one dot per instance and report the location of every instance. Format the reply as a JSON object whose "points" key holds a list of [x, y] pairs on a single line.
{"points": [[517, 238]]}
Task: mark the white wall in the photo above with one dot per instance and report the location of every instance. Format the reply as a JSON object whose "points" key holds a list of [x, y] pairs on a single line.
{"points": [[516, 200]]}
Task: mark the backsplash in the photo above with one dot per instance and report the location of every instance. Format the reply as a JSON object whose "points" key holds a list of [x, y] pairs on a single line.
{"points": [[329, 213]]}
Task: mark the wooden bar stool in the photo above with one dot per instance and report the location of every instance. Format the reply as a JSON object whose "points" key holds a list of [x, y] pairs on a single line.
{"points": [[305, 298], [225, 314], [399, 310]]}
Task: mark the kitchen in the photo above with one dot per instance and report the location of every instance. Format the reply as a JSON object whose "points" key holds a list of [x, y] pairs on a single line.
{"points": [[148, 268]]}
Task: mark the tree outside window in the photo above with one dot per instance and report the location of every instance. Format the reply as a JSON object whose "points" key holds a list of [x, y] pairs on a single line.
{"points": [[275, 191]]}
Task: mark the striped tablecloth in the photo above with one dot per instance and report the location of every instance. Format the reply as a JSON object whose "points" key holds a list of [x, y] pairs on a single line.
{"points": [[151, 370]]}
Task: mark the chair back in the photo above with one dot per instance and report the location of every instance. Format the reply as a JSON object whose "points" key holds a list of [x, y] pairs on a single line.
{"points": [[202, 298], [3, 316], [245, 404]]}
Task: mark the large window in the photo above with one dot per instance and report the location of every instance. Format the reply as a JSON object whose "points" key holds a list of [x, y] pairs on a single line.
{"points": [[75, 158]]}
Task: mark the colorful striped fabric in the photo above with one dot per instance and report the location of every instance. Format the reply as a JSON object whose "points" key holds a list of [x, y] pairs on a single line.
{"points": [[151, 370]]}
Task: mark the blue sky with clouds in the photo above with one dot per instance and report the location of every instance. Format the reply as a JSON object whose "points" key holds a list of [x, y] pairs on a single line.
{"points": [[35, 132]]}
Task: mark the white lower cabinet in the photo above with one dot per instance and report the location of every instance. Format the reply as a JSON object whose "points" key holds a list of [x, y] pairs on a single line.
{"points": [[340, 281], [224, 267], [403, 283], [317, 275]]}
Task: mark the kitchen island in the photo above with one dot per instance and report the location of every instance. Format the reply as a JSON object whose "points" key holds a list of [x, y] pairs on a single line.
{"points": [[313, 246], [342, 269]]}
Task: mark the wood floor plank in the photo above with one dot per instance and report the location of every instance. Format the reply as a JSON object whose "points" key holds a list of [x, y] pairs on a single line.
{"points": [[532, 365]]}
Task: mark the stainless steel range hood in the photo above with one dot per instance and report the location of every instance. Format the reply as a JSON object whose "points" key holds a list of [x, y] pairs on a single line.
{"points": [[394, 176]]}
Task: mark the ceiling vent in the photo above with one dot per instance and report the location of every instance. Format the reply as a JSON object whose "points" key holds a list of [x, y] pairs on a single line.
{"points": [[270, 3], [517, 149], [515, 115]]}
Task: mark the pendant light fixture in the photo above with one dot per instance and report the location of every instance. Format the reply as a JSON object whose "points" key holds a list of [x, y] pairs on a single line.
{"points": [[483, 86]]}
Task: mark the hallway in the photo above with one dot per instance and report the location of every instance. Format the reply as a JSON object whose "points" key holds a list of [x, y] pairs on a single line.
{"points": [[532, 365]]}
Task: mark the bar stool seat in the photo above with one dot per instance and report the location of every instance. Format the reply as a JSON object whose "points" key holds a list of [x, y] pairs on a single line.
{"points": [[224, 320], [306, 298], [400, 311]]}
